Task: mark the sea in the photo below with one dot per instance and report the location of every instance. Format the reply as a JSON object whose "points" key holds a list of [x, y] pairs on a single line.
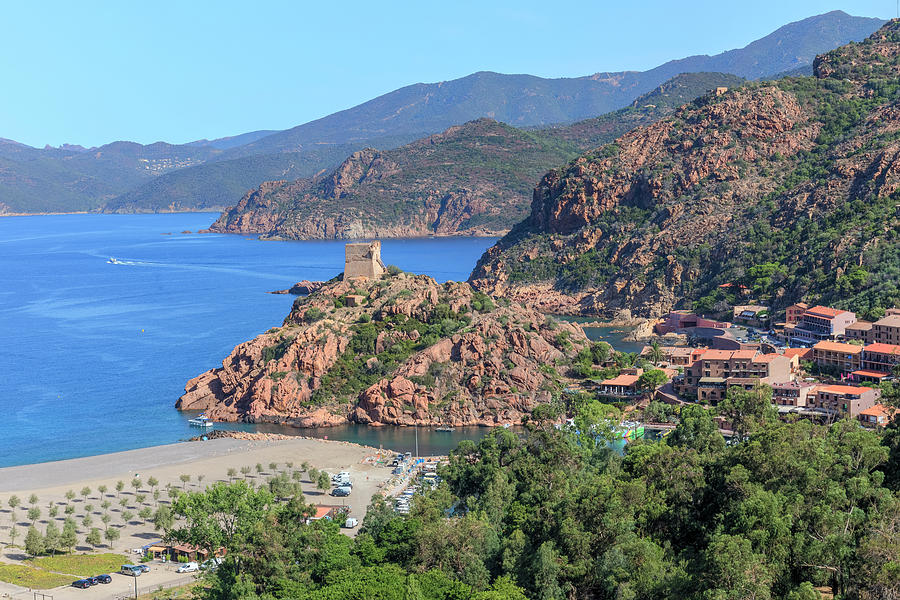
{"points": [[94, 354]]}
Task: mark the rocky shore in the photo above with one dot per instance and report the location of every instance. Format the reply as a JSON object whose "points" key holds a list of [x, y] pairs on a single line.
{"points": [[401, 350]]}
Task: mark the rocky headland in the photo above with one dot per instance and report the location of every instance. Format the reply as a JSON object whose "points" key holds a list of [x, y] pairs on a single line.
{"points": [[399, 350], [786, 187]]}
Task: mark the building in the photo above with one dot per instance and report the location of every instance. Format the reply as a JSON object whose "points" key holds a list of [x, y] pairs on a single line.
{"points": [[876, 416], [843, 400], [793, 312], [792, 393], [678, 356], [751, 315], [881, 357], [714, 371], [820, 323], [868, 376], [621, 386], [861, 330], [363, 260], [682, 319], [886, 330], [837, 355]]}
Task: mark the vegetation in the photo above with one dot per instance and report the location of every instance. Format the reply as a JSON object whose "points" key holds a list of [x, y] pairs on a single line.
{"points": [[81, 565], [549, 514], [30, 577]]}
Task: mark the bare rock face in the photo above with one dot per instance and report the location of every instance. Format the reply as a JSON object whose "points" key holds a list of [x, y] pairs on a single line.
{"points": [[405, 351], [662, 216]]}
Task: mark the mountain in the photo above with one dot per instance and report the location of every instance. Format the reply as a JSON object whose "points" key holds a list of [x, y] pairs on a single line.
{"points": [[73, 179], [790, 188], [399, 350], [473, 179]]}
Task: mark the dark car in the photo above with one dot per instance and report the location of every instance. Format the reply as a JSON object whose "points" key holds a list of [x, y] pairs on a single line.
{"points": [[341, 491], [101, 579], [82, 583], [144, 568]]}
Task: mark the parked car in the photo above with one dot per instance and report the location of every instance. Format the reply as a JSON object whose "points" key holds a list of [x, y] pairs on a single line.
{"points": [[102, 579], [341, 491], [143, 568], [189, 567], [82, 583], [351, 522], [211, 564], [132, 570]]}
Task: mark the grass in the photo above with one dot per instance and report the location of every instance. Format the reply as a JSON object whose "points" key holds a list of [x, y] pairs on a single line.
{"points": [[83, 565], [29, 577]]}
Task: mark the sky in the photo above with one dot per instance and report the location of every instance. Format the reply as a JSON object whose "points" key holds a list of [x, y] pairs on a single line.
{"points": [[92, 72]]}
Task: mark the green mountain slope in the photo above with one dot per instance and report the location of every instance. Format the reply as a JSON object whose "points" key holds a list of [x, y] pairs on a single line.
{"points": [[787, 187], [476, 179]]}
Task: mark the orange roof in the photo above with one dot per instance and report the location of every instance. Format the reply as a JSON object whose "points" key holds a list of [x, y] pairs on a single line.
{"points": [[717, 355], [843, 389], [798, 352], [625, 380], [824, 312], [878, 410], [870, 373], [883, 348], [838, 347], [322, 512], [765, 358], [743, 354]]}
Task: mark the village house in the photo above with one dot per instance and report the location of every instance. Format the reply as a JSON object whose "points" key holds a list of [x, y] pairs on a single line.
{"points": [[881, 357], [868, 376], [793, 312], [876, 416], [792, 393], [751, 315], [677, 356], [682, 319], [843, 400], [621, 386], [709, 377], [886, 330], [837, 355], [820, 323], [861, 330]]}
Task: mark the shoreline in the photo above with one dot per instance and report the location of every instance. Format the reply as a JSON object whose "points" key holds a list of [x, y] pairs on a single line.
{"points": [[146, 461]]}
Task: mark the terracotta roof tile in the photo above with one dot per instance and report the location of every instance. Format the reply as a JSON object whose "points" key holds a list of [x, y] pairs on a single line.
{"points": [[838, 347]]}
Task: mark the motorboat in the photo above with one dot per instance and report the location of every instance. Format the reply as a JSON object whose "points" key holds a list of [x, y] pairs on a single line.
{"points": [[200, 421]]}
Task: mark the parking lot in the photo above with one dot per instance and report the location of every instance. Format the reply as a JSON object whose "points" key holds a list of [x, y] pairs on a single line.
{"points": [[122, 586]]}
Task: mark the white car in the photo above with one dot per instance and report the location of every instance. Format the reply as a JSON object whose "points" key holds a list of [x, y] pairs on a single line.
{"points": [[351, 522], [188, 567]]}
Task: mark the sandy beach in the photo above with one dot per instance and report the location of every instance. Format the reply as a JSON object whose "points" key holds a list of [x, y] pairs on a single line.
{"points": [[169, 465]]}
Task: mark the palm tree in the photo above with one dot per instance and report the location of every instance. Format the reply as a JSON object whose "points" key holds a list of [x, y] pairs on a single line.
{"points": [[656, 354]]}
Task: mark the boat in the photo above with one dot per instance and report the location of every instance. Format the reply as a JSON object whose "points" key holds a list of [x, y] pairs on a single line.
{"points": [[113, 261], [201, 421], [444, 428]]}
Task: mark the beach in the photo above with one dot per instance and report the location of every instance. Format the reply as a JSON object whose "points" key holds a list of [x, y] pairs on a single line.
{"points": [[190, 466]]}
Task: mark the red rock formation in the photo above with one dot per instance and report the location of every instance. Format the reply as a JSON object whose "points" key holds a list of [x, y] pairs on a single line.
{"points": [[492, 370]]}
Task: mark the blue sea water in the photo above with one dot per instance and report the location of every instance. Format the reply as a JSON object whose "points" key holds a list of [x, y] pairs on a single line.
{"points": [[94, 355]]}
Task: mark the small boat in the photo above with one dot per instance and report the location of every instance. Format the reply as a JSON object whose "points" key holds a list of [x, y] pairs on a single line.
{"points": [[113, 261], [201, 421], [444, 428]]}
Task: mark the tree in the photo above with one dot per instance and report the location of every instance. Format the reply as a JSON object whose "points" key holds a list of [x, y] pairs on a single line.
{"points": [[13, 502], [232, 473], [185, 478], [102, 489], [85, 492], [51, 538], [145, 513], [87, 521], [152, 482], [304, 466], [105, 504], [88, 508], [120, 485], [245, 471], [746, 410], [652, 379], [13, 534], [70, 495], [136, 483], [156, 497], [69, 537], [127, 515], [259, 468], [69, 509], [93, 537], [111, 535], [163, 519], [273, 466], [656, 354], [696, 429], [34, 513], [200, 478], [54, 510], [34, 542], [323, 482], [33, 499], [140, 498], [106, 518]]}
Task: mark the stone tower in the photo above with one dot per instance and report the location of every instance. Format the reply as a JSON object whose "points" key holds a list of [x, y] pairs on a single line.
{"points": [[363, 260]]}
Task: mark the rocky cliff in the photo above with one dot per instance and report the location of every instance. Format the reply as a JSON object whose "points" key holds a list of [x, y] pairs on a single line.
{"points": [[400, 350], [787, 187]]}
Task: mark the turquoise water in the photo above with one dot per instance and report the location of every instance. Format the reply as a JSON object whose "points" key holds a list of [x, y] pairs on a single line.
{"points": [[93, 355]]}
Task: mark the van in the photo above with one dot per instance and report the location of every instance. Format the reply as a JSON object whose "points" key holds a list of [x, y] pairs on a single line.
{"points": [[131, 570]]}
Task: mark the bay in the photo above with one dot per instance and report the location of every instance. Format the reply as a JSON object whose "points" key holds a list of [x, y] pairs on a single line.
{"points": [[93, 355]]}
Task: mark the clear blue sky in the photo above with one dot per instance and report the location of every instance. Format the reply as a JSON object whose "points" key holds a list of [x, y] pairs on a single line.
{"points": [[90, 72]]}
